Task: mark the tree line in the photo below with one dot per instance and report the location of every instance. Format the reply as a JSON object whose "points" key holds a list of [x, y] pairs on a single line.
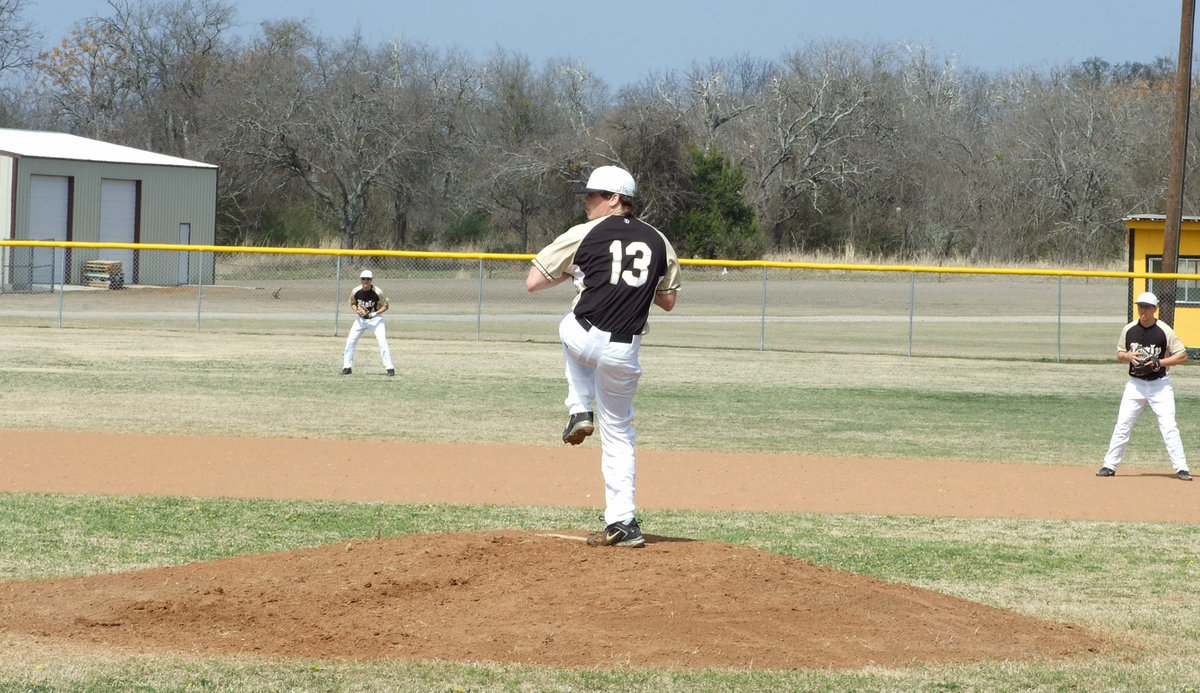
{"points": [[838, 147]]}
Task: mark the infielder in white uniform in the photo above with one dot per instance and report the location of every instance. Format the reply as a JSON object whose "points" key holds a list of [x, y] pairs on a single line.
{"points": [[620, 266], [369, 304], [1150, 347]]}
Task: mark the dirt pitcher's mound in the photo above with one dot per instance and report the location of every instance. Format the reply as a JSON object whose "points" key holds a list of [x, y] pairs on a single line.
{"points": [[534, 598]]}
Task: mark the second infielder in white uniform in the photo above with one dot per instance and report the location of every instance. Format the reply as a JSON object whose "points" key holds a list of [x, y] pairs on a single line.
{"points": [[1150, 347], [620, 266], [369, 303]]}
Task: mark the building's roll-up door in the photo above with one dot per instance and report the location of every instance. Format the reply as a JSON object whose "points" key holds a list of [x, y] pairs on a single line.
{"points": [[48, 209], [118, 222]]}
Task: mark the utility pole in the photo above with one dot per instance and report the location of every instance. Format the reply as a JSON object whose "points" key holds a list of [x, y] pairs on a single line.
{"points": [[1174, 214]]}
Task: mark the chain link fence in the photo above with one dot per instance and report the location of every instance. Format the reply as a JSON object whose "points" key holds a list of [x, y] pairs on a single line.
{"points": [[838, 310], [29, 270]]}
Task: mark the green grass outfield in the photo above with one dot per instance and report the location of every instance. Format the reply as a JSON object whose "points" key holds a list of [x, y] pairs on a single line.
{"points": [[1134, 580]]}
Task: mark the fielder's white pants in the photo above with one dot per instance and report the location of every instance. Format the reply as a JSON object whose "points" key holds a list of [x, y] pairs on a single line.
{"points": [[607, 373], [1161, 397], [375, 325]]}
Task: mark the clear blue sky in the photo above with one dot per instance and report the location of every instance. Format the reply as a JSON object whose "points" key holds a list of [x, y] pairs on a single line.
{"points": [[625, 42]]}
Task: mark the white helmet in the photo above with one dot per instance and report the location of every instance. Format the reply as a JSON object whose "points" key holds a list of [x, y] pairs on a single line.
{"points": [[610, 179]]}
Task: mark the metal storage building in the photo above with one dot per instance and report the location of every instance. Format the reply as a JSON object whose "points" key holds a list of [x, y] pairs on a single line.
{"points": [[67, 188]]}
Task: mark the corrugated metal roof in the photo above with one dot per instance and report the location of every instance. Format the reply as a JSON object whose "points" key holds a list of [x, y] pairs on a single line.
{"points": [[58, 145], [1157, 217]]}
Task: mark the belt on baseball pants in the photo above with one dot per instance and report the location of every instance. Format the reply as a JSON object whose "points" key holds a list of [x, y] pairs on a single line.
{"points": [[621, 337]]}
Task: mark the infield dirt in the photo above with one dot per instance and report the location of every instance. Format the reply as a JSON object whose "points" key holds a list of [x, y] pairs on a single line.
{"points": [[544, 597]]}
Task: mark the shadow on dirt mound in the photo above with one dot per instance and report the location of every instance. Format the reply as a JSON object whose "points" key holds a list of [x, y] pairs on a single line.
{"points": [[534, 598]]}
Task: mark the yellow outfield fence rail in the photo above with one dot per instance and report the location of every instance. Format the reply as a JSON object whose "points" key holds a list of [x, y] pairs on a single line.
{"points": [[836, 308]]}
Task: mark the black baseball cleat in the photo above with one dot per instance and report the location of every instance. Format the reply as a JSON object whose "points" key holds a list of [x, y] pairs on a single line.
{"points": [[345, 371], [1184, 475], [626, 533], [579, 426], [1105, 471], [391, 371]]}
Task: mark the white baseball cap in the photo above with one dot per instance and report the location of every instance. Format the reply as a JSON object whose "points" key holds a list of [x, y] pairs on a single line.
{"points": [[1147, 299], [366, 274], [610, 179]]}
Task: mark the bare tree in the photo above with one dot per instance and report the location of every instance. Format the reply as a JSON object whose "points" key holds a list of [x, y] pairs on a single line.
{"points": [[1069, 140], [81, 83], [891, 150], [141, 75], [799, 136], [325, 114], [710, 96], [535, 125], [432, 93], [17, 38], [173, 53], [934, 173], [648, 136]]}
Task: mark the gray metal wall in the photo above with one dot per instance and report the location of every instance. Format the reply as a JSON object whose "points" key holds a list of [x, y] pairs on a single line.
{"points": [[170, 196]]}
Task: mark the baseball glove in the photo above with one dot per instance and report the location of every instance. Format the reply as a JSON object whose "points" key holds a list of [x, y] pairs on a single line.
{"points": [[1146, 365]]}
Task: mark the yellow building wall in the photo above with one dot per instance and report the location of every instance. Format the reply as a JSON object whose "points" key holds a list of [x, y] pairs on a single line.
{"points": [[1145, 238]]}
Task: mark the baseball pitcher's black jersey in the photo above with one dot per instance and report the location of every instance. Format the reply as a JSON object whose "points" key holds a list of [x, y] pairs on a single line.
{"points": [[1156, 341], [622, 261], [618, 264]]}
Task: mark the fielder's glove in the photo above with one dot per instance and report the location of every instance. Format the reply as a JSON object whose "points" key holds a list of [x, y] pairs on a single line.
{"points": [[1144, 365]]}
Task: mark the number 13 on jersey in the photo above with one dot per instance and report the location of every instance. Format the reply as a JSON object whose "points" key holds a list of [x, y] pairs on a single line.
{"points": [[637, 274]]}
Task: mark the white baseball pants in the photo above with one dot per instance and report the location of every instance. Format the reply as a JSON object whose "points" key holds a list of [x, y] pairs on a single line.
{"points": [[375, 325], [607, 373], [1160, 395]]}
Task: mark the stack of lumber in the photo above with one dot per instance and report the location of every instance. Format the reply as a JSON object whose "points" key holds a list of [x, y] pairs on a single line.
{"points": [[103, 273]]}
